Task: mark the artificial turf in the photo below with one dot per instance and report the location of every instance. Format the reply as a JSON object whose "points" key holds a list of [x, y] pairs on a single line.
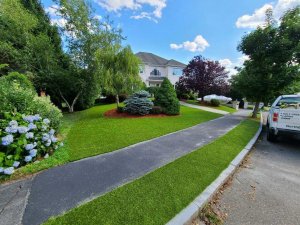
{"points": [[88, 133], [158, 196], [95, 134]]}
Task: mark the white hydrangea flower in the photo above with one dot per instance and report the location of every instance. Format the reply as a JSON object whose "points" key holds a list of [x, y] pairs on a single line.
{"points": [[9, 170], [22, 130], [46, 121], [28, 158], [33, 152], [13, 123], [16, 164], [29, 135]]}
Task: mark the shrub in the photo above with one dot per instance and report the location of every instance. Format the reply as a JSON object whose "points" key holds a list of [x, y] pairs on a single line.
{"points": [[120, 109], [192, 96], [45, 108], [21, 79], [152, 90], [18, 95], [156, 110], [138, 103], [185, 96], [215, 102], [24, 138], [166, 98], [13, 97]]}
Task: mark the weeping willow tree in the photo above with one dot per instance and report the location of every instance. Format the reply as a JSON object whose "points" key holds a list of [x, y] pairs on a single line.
{"points": [[119, 69]]}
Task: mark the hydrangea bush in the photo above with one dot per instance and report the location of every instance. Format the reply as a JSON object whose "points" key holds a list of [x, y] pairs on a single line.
{"points": [[24, 139]]}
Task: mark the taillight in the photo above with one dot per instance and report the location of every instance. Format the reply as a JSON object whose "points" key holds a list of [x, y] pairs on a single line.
{"points": [[275, 117]]}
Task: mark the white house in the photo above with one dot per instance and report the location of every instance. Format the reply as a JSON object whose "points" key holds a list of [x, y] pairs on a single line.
{"points": [[155, 68]]}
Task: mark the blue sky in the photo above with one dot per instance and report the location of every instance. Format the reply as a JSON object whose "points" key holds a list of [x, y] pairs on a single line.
{"points": [[178, 29]]}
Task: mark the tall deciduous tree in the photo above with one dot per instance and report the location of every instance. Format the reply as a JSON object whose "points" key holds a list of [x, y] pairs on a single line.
{"points": [[28, 42], [120, 71], [84, 35], [204, 77], [274, 59]]}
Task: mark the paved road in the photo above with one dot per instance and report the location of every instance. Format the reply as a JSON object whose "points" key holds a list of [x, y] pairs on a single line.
{"points": [[267, 190], [62, 188]]}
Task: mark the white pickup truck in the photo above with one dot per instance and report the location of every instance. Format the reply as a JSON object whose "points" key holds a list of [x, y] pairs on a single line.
{"points": [[284, 116]]}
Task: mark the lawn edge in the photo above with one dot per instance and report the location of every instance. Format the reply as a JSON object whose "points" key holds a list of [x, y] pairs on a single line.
{"points": [[188, 214]]}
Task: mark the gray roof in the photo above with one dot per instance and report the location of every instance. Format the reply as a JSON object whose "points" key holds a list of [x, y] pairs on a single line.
{"points": [[149, 58]]}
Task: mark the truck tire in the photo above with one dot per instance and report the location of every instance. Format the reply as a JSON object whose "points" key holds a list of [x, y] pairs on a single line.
{"points": [[270, 134]]}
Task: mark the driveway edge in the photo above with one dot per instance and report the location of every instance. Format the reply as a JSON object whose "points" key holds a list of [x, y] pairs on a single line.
{"points": [[187, 215]]}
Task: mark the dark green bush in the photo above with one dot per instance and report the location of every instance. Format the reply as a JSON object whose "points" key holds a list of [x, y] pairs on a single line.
{"points": [[152, 90], [215, 102], [167, 99], [156, 110], [192, 96], [120, 109], [138, 103], [185, 96]]}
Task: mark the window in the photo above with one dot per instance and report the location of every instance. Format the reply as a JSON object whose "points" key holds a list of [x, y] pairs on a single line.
{"points": [[177, 71], [155, 72], [289, 102], [141, 68]]}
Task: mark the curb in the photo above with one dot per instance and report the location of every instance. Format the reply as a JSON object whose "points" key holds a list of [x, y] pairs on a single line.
{"points": [[187, 215]]}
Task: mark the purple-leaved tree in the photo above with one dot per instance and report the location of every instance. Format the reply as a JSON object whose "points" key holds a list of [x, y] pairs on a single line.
{"points": [[204, 77]]}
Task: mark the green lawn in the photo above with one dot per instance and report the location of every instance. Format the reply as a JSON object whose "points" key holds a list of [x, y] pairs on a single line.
{"points": [[88, 133], [94, 134], [158, 196], [221, 107]]}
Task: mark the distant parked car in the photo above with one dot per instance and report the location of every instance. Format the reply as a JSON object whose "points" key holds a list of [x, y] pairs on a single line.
{"points": [[284, 116]]}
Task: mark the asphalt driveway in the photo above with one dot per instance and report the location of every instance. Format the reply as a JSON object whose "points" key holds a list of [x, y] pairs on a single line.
{"points": [[266, 190]]}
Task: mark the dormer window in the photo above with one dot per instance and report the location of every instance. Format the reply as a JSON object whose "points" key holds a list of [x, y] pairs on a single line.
{"points": [[155, 72]]}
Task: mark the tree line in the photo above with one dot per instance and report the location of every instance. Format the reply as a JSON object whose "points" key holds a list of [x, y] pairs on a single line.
{"points": [[72, 63]]}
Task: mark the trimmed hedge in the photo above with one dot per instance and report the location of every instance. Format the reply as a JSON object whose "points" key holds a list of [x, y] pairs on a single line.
{"points": [[215, 102]]}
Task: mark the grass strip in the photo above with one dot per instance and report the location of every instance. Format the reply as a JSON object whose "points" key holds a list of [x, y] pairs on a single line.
{"points": [[158, 196], [220, 107]]}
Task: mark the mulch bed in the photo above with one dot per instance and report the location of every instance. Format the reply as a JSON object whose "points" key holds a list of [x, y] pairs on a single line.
{"points": [[113, 113]]}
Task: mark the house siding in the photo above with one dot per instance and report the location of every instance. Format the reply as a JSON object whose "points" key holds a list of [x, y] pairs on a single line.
{"points": [[165, 70]]}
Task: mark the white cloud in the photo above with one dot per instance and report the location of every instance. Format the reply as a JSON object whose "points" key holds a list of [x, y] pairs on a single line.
{"points": [[97, 17], [230, 66], [198, 45], [52, 10], [144, 15], [258, 17], [254, 20], [118, 5], [60, 22]]}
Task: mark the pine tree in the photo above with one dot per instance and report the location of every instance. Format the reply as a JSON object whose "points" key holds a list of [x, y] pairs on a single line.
{"points": [[167, 99]]}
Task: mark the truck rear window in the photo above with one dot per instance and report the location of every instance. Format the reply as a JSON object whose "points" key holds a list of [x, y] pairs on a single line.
{"points": [[289, 102]]}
